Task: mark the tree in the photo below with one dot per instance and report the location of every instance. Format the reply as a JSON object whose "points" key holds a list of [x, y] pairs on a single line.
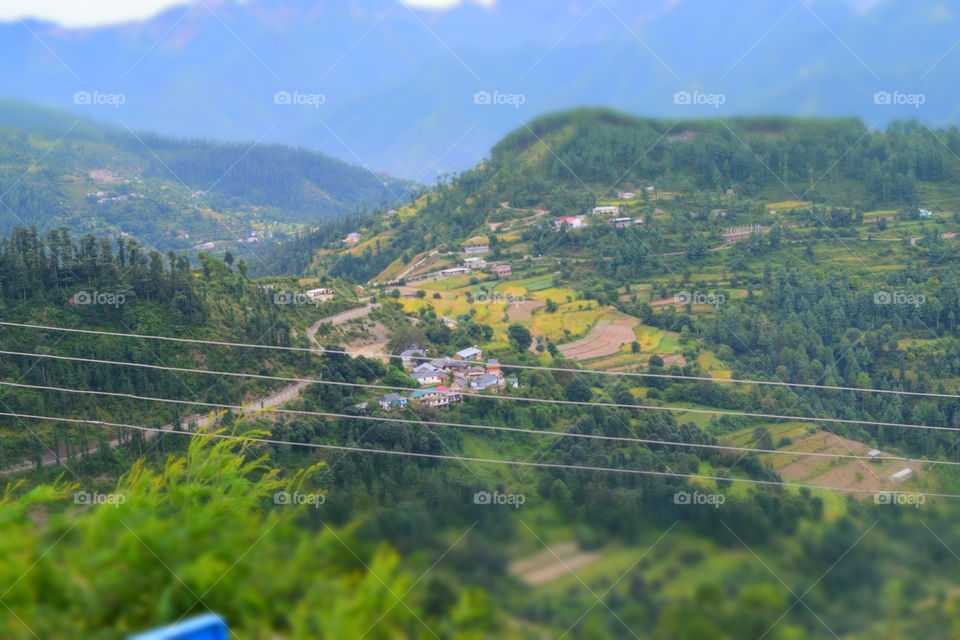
{"points": [[520, 337]]}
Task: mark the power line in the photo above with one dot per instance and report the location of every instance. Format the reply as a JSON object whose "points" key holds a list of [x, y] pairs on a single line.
{"points": [[612, 405], [639, 374], [540, 432], [548, 465]]}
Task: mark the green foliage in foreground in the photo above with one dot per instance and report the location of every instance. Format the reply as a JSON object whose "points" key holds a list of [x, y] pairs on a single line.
{"points": [[202, 533]]}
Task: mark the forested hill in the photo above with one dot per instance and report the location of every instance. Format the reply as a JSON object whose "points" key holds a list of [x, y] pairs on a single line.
{"points": [[568, 162], [56, 170]]}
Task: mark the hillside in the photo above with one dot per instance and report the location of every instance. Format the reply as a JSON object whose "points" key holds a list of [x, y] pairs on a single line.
{"points": [[565, 164], [57, 170], [669, 369]]}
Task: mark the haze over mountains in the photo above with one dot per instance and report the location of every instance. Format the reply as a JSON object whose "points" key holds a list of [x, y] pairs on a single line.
{"points": [[414, 92]]}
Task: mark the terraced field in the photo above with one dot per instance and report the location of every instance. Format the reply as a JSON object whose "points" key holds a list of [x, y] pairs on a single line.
{"points": [[606, 337]]}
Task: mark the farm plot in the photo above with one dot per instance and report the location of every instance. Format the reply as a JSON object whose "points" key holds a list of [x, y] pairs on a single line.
{"points": [[870, 475], [605, 338]]}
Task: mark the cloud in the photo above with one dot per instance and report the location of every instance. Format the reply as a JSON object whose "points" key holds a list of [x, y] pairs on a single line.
{"points": [[89, 13]]}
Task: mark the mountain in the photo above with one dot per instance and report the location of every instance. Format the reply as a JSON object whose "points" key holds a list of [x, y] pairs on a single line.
{"points": [[171, 194], [407, 90], [565, 163]]}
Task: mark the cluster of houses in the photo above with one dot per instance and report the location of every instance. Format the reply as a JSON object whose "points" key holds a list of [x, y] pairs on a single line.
{"points": [[733, 234], [577, 222], [320, 295], [474, 264], [445, 380], [102, 198]]}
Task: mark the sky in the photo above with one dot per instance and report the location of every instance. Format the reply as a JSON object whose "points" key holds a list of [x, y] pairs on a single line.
{"points": [[86, 13]]}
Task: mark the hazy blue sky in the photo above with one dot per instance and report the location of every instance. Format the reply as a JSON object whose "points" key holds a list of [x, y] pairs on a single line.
{"points": [[94, 12]]}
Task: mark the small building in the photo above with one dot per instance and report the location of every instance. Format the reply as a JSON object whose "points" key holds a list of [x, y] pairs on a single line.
{"points": [[626, 195], [363, 406], [924, 213], [476, 245], [571, 222], [392, 401], [901, 475], [512, 382], [475, 263], [501, 270], [352, 238], [486, 381], [427, 378], [321, 295], [873, 453], [620, 223], [638, 221], [450, 322], [470, 353], [454, 271], [609, 210], [437, 396], [493, 366], [408, 357], [428, 366], [206, 246]]}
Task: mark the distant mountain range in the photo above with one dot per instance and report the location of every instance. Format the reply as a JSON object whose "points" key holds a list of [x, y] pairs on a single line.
{"points": [[414, 92]]}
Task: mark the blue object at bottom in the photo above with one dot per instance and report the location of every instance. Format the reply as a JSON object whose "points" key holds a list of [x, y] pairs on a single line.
{"points": [[206, 627]]}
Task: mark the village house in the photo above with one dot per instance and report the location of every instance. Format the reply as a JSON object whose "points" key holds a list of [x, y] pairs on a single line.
{"points": [[609, 210], [454, 271], [733, 234], [475, 263], [626, 195], [486, 381], [321, 295], [476, 245], [407, 358], [437, 396], [392, 401], [206, 246], [352, 238], [428, 378], [501, 270], [572, 222], [470, 353], [620, 223]]}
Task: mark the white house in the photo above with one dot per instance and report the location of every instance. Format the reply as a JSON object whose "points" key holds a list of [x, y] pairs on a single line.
{"points": [[427, 378], [475, 263], [626, 195], [610, 210], [572, 222], [352, 238]]}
